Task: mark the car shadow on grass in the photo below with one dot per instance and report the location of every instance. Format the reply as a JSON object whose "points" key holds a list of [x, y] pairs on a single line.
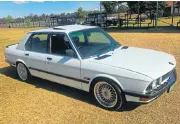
{"points": [[61, 89]]}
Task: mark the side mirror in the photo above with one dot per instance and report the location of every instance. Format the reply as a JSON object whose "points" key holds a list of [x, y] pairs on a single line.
{"points": [[70, 53]]}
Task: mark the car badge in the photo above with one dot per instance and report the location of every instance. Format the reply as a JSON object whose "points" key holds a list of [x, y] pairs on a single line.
{"points": [[171, 63]]}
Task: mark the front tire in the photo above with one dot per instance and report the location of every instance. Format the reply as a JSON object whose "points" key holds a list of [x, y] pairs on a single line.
{"points": [[22, 72], [108, 94]]}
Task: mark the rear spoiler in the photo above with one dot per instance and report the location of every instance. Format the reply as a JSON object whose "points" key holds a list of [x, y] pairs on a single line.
{"points": [[11, 45]]}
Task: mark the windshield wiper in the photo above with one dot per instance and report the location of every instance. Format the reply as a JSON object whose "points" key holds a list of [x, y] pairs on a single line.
{"points": [[102, 49], [114, 47]]}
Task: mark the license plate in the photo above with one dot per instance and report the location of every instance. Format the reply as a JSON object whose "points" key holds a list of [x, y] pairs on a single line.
{"points": [[171, 82]]}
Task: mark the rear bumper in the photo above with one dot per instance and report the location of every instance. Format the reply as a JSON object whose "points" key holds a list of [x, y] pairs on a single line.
{"points": [[146, 98], [11, 63]]}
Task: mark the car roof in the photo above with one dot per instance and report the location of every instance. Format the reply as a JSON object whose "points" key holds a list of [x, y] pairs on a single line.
{"points": [[65, 28]]}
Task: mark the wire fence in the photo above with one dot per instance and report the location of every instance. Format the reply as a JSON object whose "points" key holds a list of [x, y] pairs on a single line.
{"points": [[42, 23], [26, 25], [128, 23]]}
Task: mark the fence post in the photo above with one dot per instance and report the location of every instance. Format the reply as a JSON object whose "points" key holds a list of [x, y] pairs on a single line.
{"points": [[24, 24], [156, 14], [140, 19], [172, 14], [33, 23], [39, 22]]}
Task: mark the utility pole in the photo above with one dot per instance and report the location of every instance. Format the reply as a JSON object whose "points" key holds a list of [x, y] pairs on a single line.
{"points": [[100, 15], [118, 15], [156, 14]]}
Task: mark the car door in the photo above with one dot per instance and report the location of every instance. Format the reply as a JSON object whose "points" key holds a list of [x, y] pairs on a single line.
{"points": [[62, 68], [36, 50]]}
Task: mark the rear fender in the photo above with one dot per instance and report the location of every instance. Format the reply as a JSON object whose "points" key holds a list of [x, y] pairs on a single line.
{"points": [[20, 60]]}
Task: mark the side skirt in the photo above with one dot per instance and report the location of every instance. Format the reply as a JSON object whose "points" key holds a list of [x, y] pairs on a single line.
{"points": [[68, 81]]}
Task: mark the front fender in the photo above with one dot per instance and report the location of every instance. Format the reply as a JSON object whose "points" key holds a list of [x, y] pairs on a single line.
{"points": [[106, 76], [86, 87], [125, 83]]}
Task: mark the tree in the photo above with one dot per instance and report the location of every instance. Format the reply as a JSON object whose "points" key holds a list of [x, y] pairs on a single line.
{"points": [[123, 7], [178, 5], [30, 16], [80, 14], [18, 20], [62, 14], [112, 6], [143, 6], [3, 20], [9, 19], [27, 22], [109, 6]]}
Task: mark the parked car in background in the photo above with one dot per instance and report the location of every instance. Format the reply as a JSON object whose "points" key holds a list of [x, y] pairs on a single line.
{"points": [[87, 58]]}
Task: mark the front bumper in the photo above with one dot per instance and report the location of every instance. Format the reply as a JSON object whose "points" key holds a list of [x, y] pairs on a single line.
{"points": [[148, 97]]}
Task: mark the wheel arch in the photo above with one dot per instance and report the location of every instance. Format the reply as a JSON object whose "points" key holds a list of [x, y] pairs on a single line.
{"points": [[20, 61], [27, 69], [99, 76]]}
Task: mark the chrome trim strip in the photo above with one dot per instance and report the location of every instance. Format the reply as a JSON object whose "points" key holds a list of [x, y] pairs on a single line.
{"points": [[80, 80]]}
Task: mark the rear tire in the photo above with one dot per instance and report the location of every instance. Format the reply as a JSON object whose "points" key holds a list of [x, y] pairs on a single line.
{"points": [[22, 72], [108, 94]]}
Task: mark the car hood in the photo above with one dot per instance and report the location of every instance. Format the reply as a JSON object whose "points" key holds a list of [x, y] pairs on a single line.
{"points": [[144, 61]]}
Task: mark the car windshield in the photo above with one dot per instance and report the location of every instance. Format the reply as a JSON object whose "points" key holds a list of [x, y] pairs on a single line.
{"points": [[91, 42]]}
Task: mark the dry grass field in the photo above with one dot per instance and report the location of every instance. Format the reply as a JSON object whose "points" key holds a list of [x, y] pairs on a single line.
{"points": [[41, 101]]}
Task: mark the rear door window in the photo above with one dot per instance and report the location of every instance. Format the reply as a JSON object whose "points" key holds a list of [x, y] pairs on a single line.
{"points": [[38, 43]]}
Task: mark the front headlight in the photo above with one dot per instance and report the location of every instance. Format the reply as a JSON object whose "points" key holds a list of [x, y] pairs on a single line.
{"points": [[153, 85]]}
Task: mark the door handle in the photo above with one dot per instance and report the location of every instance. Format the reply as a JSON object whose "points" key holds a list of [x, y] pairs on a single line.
{"points": [[48, 58], [26, 54]]}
